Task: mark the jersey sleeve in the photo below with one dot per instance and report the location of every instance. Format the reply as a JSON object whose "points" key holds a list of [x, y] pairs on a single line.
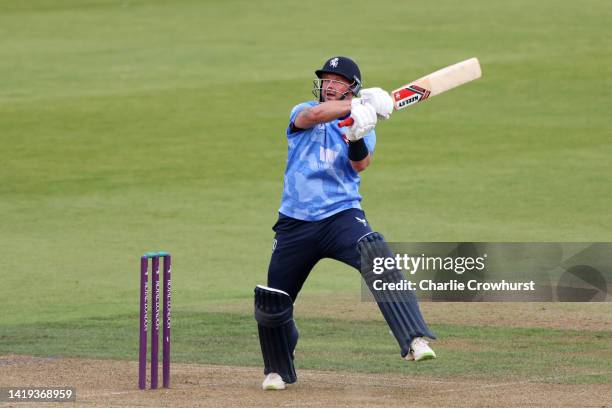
{"points": [[294, 112]]}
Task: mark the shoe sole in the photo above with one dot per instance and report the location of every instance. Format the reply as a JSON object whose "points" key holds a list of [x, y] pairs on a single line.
{"points": [[273, 387], [426, 356]]}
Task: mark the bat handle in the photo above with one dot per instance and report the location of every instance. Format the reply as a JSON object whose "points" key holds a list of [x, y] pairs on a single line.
{"points": [[346, 122]]}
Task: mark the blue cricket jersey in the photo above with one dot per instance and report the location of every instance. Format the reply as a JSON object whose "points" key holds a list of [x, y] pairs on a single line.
{"points": [[319, 180]]}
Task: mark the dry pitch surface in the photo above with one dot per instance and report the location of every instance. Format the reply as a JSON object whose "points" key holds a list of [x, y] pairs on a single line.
{"points": [[108, 383], [111, 383]]}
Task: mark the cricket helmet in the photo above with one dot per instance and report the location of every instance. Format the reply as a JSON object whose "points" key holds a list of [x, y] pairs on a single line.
{"points": [[344, 67]]}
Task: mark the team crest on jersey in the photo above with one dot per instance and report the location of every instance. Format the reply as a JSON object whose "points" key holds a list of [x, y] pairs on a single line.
{"points": [[333, 63]]}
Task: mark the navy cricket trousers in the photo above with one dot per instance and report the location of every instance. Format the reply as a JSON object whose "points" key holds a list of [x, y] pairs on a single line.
{"points": [[299, 245]]}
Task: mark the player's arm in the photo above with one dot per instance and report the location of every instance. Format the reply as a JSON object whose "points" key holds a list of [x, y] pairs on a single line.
{"points": [[361, 165], [321, 113]]}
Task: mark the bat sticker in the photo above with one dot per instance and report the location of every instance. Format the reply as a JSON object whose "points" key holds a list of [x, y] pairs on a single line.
{"points": [[409, 95]]}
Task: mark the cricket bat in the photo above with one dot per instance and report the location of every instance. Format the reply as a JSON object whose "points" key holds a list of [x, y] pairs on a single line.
{"points": [[431, 85]]}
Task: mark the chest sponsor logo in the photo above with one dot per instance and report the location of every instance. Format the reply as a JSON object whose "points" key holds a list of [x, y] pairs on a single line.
{"points": [[327, 155]]}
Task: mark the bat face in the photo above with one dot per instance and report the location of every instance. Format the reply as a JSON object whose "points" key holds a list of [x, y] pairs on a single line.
{"points": [[409, 95], [437, 82]]}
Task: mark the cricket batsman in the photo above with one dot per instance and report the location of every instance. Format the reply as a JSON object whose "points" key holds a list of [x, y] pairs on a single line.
{"points": [[320, 216]]}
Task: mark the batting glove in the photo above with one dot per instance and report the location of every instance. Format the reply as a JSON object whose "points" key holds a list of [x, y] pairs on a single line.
{"points": [[364, 119], [380, 100]]}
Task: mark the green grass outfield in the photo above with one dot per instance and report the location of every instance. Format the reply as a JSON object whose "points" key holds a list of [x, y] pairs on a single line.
{"points": [[130, 126]]}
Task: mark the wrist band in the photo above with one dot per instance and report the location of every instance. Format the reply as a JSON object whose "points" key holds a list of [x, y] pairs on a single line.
{"points": [[358, 150]]}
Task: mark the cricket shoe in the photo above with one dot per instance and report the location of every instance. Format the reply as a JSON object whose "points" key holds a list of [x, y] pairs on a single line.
{"points": [[273, 381], [420, 350]]}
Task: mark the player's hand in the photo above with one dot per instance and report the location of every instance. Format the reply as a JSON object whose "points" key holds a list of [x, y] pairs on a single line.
{"points": [[380, 100], [364, 119]]}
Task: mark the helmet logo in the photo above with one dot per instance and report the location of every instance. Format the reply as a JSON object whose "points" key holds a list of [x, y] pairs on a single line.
{"points": [[333, 62]]}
